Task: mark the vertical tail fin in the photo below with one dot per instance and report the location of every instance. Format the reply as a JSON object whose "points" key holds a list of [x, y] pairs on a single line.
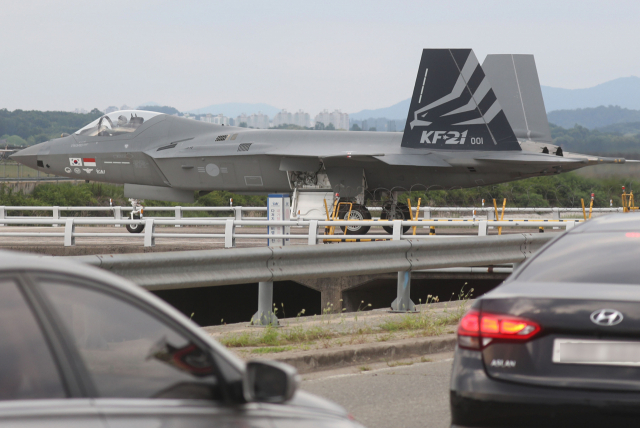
{"points": [[454, 107], [514, 79]]}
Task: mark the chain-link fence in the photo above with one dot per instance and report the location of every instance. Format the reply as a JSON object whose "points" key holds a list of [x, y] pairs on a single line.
{"points": [[13, 171]]}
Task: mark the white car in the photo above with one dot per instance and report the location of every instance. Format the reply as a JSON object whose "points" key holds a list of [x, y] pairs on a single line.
{"points": [[82, 347]]}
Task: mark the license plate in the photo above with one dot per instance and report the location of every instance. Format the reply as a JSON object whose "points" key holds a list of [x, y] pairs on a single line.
{"points": [[596, 352]]}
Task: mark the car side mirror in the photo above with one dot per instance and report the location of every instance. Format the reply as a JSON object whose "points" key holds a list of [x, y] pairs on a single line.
{"points": [[270, 381]]}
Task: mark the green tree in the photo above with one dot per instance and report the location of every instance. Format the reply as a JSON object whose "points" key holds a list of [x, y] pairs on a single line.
{"points": [[355, 127]]}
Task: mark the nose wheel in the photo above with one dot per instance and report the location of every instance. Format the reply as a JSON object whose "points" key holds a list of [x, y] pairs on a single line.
{"points": [[136, 214], [135, 228]]}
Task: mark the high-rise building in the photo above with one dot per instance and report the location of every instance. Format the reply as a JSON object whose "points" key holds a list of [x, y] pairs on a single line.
{"points": [[258, 121], [338, 119], [299, 118], [218, 119]]}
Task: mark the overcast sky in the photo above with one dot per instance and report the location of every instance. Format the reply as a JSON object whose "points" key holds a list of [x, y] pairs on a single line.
{"points": [[349, 55]]}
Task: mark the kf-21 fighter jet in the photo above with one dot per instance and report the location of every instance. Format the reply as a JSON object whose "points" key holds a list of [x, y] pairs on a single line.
{"points": [[468, 125]]}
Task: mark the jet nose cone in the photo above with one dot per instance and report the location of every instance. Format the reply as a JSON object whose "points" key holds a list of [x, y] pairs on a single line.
{"points": [[28, 156]]}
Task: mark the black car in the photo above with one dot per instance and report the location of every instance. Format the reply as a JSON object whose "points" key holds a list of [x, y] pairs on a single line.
{"points": [[558, 343]]}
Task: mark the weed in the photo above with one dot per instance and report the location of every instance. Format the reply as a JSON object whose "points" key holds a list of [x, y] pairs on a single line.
{"points": [[364, 368], [271, 349], [399, 363], [425, 360]]}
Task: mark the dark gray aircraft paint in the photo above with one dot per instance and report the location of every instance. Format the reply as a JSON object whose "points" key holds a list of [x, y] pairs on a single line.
{"points": [[468, 125]]}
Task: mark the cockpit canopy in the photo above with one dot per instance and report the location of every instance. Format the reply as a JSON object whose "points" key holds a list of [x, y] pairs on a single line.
{"points": [[117, 123]]}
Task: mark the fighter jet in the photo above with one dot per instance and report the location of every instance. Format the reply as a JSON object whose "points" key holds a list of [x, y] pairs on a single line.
{"points": [[468, 125]]}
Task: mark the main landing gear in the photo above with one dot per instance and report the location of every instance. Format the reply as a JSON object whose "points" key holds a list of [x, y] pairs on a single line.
{"points": [[353, 211]]}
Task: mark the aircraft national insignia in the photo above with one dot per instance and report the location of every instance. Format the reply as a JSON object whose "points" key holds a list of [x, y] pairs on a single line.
{"points": [[89, 161], [75, 161]]}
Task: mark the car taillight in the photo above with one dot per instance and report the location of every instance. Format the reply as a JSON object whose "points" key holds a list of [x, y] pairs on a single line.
{"points": [[476, 330]]}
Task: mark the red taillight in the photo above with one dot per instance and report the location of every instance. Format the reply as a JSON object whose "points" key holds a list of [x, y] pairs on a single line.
{"points": [[477, 331]]}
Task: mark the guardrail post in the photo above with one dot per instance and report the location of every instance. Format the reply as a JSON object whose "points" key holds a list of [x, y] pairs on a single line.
{"points": [[313, 232], [426, 215], [403, 302], [237, 213], [570, 225], [265, 315], [55, 215], [117, 214], [556, 215], [178, 215], [229, 231], [2, 213], [69, 230], [149, 230], [397, 230], [482, 228]]}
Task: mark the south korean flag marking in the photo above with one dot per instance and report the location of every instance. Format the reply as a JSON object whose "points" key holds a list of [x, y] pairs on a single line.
{"points": [[75, 161]]}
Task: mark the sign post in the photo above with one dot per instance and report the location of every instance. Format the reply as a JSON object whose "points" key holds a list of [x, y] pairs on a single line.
{"points": [[278, 210]]}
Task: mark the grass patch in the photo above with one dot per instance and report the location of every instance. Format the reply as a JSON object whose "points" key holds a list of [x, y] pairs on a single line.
{"points": [[272, 349], [399, 363], [328, 333], [364, 368]]}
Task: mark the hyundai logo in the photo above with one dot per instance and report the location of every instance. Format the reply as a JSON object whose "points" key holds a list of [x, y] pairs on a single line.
{"points": [[606, 317]]}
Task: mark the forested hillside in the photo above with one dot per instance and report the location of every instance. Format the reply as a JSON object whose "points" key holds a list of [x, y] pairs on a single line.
{"points": [[37, 126]]}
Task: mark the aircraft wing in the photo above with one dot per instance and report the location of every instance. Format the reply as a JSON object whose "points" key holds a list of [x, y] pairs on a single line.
{"points": [[539, 158], [428, 159]]}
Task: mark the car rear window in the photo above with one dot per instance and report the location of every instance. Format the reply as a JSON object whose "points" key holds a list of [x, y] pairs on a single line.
{"points": [[612, 257]]}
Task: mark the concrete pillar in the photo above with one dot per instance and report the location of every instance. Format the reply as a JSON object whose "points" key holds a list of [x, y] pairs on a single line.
{"points": [[403, 302], [265, 315]]}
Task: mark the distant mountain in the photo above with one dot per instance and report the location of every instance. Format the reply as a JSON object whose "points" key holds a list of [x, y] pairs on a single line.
{"points": [[235, 109], [593, 117], [397, 111], [623, 92], [627, 128], [159, 109], [150, 103]]}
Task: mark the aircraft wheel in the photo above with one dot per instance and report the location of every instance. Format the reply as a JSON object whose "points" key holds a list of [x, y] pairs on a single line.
{"points": [[401, 213], [358, 212], [135, 228]]}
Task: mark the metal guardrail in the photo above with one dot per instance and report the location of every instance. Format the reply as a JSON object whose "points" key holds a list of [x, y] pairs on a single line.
{"points": [[230, 234], [189, 269], [237, 212]]}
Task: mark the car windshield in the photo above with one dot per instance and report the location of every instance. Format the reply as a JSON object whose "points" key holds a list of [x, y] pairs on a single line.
{"points": [[610, 257], [116, 123]]}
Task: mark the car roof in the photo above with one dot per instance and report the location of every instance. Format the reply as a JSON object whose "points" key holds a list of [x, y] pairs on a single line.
{"points": [[621, 222]]}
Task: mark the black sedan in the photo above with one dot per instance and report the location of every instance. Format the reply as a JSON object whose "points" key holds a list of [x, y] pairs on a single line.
{"points": [[80, 347], [558, 343]]}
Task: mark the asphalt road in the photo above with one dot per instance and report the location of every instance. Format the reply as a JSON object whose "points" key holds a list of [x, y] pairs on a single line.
{"points": [[415, 395]]}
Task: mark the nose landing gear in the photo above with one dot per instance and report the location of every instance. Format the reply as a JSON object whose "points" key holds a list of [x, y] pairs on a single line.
{"points": [[136, 214]]}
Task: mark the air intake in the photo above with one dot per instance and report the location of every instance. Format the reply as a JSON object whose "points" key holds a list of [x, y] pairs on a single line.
{"points": [[221, 137], [173, 144], [244, 147], [168, 146]]}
